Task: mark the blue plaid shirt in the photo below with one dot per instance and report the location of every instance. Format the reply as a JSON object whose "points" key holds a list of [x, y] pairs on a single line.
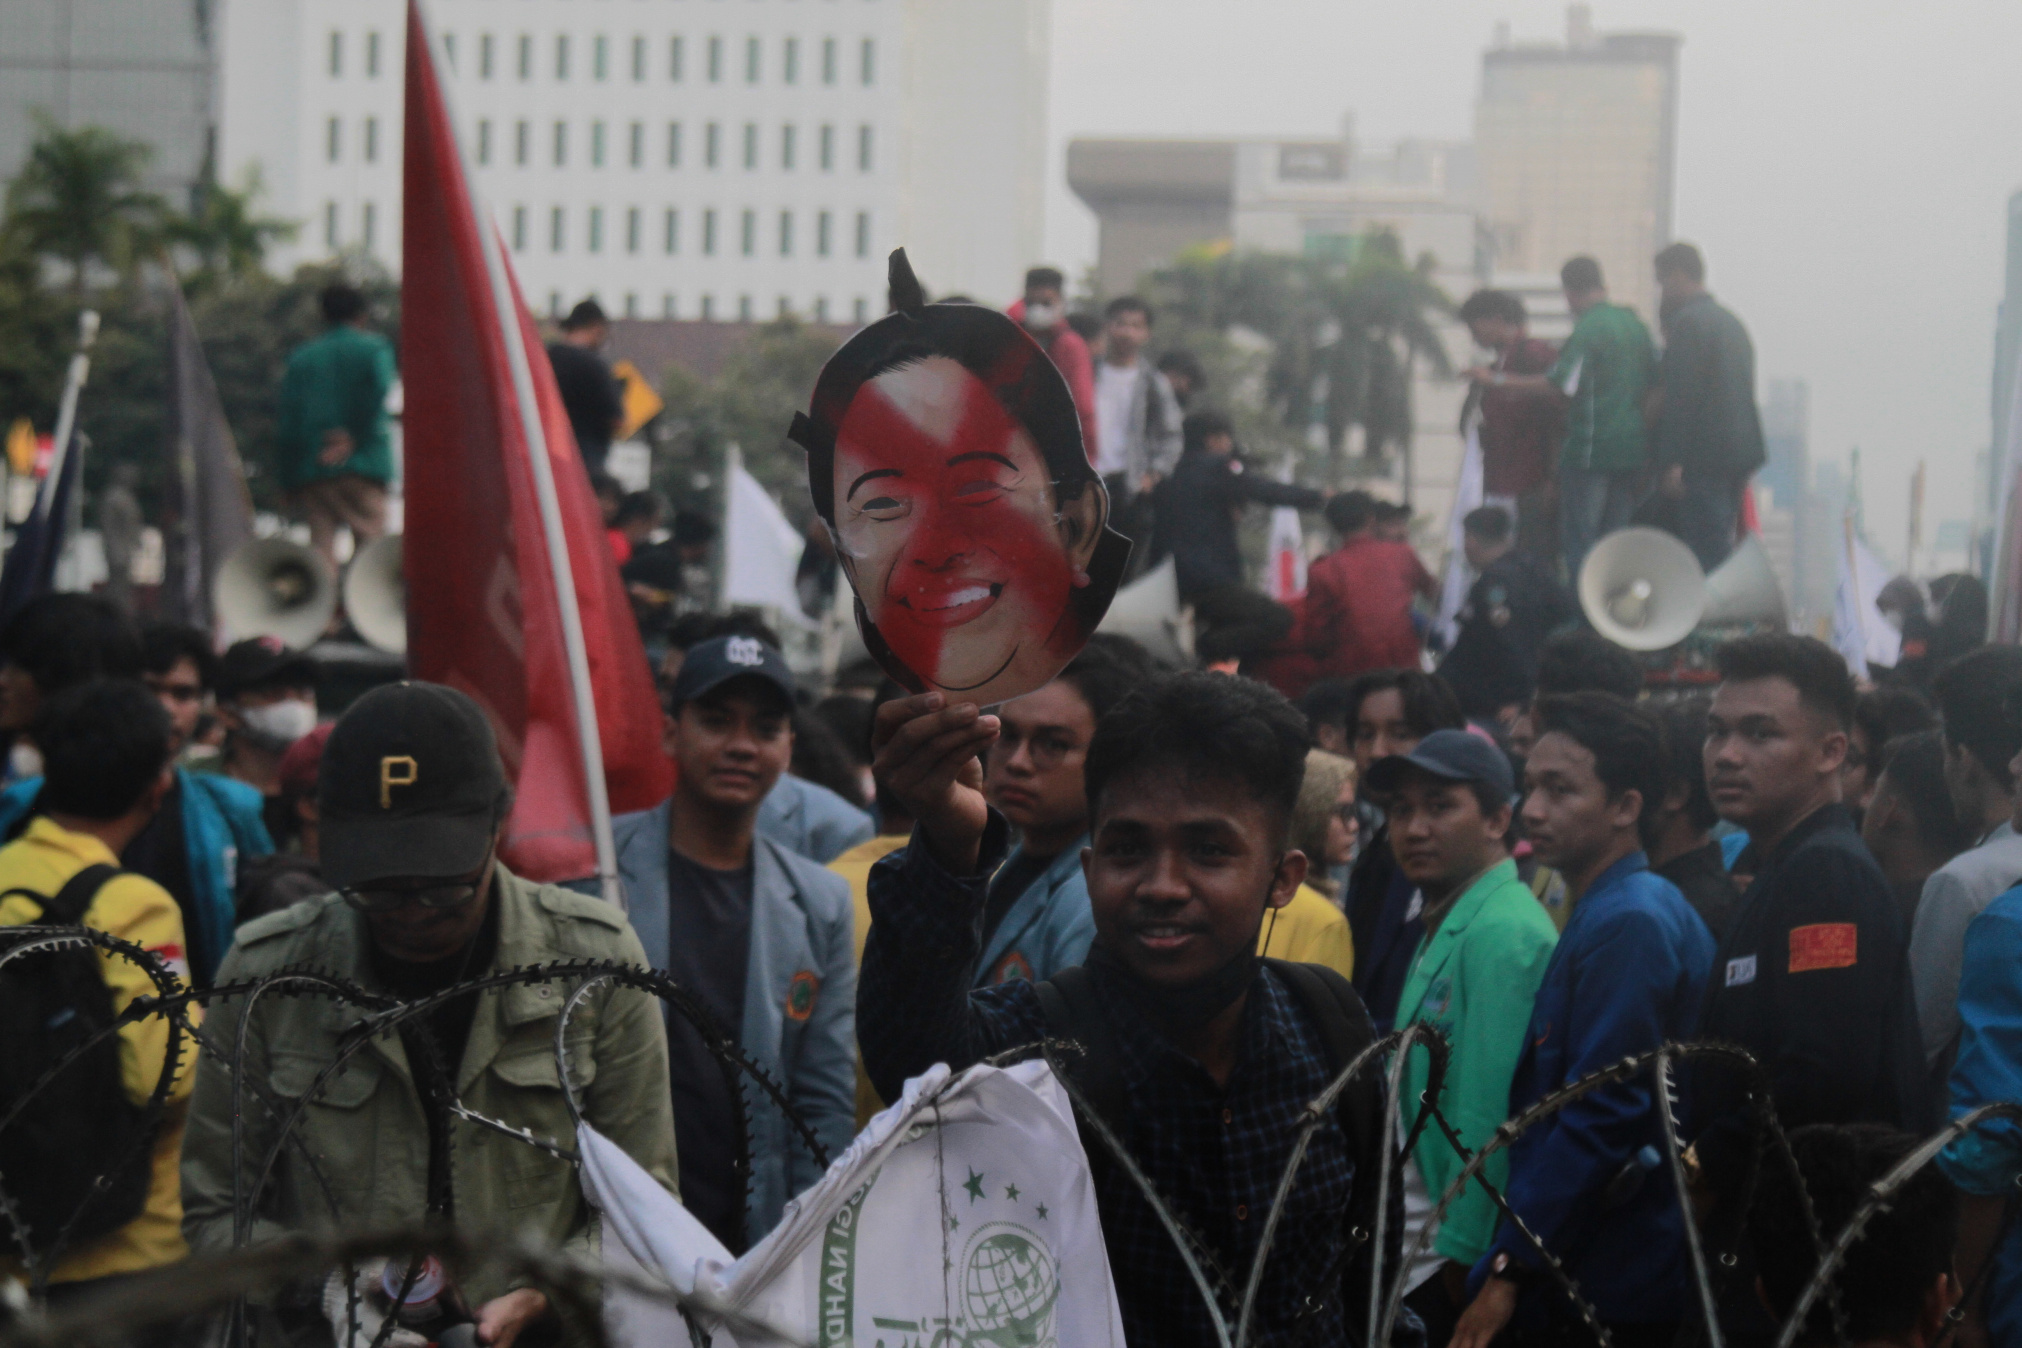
{"points": [[1215, 1153]]}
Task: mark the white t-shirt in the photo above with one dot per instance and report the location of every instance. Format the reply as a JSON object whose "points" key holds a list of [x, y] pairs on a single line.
{"points": [[1113, 387]]}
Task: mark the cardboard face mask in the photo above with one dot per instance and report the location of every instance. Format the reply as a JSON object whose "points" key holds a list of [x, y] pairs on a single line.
{"points": [[945, 457]]}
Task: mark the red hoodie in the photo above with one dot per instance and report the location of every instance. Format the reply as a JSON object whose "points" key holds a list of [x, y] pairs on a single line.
{"points": [[1070, 356]]}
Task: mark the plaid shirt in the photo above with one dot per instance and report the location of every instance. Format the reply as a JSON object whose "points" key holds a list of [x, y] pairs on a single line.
{"points": [[1214, 1153]]}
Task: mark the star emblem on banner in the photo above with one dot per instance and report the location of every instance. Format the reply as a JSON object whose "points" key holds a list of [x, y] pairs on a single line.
{"points": [[974, 1184], [1011, 1192]]}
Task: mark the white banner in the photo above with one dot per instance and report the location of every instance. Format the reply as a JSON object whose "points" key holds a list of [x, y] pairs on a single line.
{"points": [[1859, 631], [761, 549]]}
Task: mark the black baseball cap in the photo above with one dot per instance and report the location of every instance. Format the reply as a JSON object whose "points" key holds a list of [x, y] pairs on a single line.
{"points": [[260, 662], [410, 785], [1451, 755], [715, 662]]}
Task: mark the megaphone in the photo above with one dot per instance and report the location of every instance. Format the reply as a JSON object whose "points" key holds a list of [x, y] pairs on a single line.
{"points": [[1148, 612], [375, 595], [1642, 588], [271, 587]]}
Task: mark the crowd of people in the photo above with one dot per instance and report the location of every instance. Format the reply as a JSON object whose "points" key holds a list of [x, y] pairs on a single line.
{"points": [[1221, 883]]}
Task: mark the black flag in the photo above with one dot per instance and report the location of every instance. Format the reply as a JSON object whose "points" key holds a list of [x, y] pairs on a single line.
{"points": [[207, 511]]}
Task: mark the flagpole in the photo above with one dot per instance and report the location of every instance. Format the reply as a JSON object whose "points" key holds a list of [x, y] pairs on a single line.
{"points": [[573, 645], [66, 431]]}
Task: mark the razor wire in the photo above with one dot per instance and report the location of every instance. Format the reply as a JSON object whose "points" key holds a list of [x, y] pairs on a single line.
{"points": [[222, 1282]]}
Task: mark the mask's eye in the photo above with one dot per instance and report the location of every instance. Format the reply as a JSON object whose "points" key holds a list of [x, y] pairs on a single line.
{"points": [[886, 507], [980, 491]]}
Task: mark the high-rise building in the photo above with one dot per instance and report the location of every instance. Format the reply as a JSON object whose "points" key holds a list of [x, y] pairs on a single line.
{"points": [[672, 161], [1988, 509], [1576, 146], [139, 68]]}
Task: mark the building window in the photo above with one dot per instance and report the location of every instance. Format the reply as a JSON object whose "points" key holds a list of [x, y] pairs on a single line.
{"points": [[596, 145], [786, 233], [789, 61], [632, 229], [667, 305], [330, 234], [483, 141], [561, 56], [864, 148], [631, 304], [709, 233], [751, 60], [336, 53], [635, 152], [863, 233], [519, 229], [827, 147], [744, 308], [708, 308], [786, 146], [596, 240], [860, 309], [558, 224], [867, 68], [600, 58], [785, 307], [561, 144], [448, 50], [751, 145], [673, 145], [822, 222], [828, 60], [821, 308], [674, 59], [371, 140], [638, 60], [368, 230], [554, 304], [712, 144], [484, 55], [715, 60], [526, 60], [747, 233], [523, 138], [372, 55], [333, 140], [670, 231]]}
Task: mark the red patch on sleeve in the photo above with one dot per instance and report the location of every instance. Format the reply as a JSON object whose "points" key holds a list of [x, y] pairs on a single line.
{"points": [[1824, 945]]}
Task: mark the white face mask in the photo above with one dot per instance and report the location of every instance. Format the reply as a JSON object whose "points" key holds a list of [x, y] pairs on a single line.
{"points": [[280, 723], [1042, 317]]}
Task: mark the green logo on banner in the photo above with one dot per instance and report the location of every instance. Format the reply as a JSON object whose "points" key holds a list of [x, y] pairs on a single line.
{"points": [[839, 1273]]}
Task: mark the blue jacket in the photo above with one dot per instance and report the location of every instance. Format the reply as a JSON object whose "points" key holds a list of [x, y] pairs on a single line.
{"points": [[221, 823], [1048, 929], [1988, 1160], [812, 820], [801, 925], [1628, 973]]}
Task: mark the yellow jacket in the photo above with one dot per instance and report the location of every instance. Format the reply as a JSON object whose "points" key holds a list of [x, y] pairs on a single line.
{"points": [[855, 867], [135, 909], [1309, 930]]}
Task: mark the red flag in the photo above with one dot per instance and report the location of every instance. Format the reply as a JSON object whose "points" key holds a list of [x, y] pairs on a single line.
{"points": [[485, 613]]}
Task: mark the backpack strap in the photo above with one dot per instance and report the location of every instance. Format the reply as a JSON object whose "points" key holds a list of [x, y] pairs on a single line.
{"points": [[1068, 1002], [72, 901]]}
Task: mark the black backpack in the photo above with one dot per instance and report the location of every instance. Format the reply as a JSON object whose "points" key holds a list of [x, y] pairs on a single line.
{"points": [[53, 1153]]}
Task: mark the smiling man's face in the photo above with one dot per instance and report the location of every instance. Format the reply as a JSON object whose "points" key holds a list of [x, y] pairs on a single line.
{"points": [[731, 744], [947, 522]]}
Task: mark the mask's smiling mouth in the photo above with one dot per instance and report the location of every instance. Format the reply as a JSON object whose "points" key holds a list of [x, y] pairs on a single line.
{"points": [[949, 605]]}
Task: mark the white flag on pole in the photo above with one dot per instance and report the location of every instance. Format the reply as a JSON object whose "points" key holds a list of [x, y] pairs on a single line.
{"points": [[983, 1169], [1467, 495], [1859, 631], [761, 548]]}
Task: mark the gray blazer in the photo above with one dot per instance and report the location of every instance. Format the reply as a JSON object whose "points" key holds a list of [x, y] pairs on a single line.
{"points": [[812, 820], [800, 998]]}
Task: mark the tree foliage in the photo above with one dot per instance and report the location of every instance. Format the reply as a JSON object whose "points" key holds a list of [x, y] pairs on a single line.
{"points": [[78, 200]]}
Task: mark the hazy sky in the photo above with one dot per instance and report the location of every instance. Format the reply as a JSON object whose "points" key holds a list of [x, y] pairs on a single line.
{"points": [[1844, 166]]}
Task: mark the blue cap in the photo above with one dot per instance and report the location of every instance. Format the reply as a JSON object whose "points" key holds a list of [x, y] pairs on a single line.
{"points": [[719, 660], [1450, 755]]}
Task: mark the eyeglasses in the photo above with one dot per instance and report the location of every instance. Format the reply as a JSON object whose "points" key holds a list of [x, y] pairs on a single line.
{"points": [[374, 899]]}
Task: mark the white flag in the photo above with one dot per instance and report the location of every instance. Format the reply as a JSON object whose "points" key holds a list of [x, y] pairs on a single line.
{"points": [[761, 549], [962, 1214], [1467, 494], [1859, 631]]}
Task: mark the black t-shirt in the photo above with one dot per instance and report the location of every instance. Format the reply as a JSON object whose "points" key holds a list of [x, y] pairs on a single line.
{"points": [[590, 396], [1013, 878], [709, 947], [161, 853]]}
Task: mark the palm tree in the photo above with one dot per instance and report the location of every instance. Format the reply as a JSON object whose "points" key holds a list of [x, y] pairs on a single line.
{"points": [[78, 198], [223, 231]]}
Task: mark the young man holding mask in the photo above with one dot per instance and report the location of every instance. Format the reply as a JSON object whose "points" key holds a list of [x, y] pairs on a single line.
{"points": [[1191, 783], [1474, 977], [1628, 975]]}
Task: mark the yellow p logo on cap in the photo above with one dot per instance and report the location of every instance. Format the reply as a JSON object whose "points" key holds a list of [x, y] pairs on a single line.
{"points": [[387, 779]]}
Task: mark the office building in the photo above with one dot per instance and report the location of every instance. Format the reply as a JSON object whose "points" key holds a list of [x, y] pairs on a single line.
{"points": [[1576, 146], [142, 69], [672, 159]]}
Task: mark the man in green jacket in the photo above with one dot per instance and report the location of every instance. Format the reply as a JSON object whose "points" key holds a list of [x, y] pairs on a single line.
{"points": [[1487, 942], [412, 801], [335, 455]]}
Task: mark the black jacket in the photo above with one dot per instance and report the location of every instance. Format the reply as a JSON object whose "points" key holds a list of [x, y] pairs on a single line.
{"points": [[1813, 978], [1709, 423], [1510, 610], [1197, 509]]}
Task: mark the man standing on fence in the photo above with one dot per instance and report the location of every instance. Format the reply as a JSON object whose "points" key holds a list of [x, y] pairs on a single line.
{"points": [[412, 806], [335, 455]]}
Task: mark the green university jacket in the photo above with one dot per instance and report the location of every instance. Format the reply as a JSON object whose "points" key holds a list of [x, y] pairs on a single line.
{"points": [[338, 380], [1474, 979], [366, 1130]]}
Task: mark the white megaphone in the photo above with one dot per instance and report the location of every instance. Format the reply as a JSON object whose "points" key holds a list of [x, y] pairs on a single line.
{"points": [[375, 595], [1148, 612], [1642, 588], [271, 587]]}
